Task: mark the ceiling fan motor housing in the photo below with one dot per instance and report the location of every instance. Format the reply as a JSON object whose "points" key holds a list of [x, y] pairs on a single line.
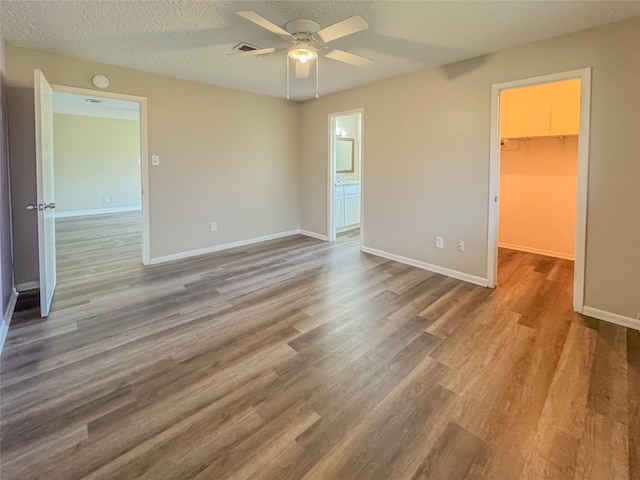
{"points": [[302, 30], [302, 26]]}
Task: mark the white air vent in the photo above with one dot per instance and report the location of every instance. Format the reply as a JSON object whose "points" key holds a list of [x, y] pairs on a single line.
{"points": [[245, 47]]}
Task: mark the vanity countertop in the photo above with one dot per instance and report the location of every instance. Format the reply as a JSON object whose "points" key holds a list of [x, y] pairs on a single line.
{"points": [[347, 182]]}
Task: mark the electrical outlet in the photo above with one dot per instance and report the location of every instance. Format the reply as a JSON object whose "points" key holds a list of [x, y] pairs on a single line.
{"points": [[460, 246], [439, 242], [106, 199], [155, 159], [214, 226]]}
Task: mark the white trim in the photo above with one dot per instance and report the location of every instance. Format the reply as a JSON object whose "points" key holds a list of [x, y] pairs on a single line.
{"points": [[225, 246], [465, 277], [146, 192], [584, 74], [319, 236], [97, 211], [26, 286], [331, 180], [537, 251], [144, 154], [6, 320], [628, 322]]}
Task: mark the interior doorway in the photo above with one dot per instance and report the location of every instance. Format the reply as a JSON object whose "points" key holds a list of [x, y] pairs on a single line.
{"points": [[97, 158], [538, 178], [345, 175], [100, 167]]}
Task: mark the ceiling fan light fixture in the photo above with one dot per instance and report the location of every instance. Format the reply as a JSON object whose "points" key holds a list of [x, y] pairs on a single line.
{"points": [[303, 54]]}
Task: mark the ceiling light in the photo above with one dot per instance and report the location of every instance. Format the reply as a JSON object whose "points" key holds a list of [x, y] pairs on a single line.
{"points": [[303, 54]]}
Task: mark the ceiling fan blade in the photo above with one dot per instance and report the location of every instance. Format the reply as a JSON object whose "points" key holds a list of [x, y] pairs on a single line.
{"points": [[263, 22], [260, 51], [349, 58], [342, 29], [302, 69]]}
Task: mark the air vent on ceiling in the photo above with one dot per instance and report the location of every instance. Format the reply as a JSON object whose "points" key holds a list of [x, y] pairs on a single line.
{"points": [[93, 100], [245, 47]]}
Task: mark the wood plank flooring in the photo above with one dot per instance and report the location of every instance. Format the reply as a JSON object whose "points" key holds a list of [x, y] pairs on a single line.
{"points": [[299, 359]]}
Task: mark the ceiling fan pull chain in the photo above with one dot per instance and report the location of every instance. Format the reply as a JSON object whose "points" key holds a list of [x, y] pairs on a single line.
{"points": [[287, 59], [317, 68]]}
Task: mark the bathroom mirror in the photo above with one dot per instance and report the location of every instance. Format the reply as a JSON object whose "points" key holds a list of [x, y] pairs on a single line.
{"points": [[344, 155]]}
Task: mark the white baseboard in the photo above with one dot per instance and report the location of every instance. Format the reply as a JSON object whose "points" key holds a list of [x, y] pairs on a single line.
{"points": [[218, 248], [6, 319], [23, 287], [319, 236], [465, 277], [348, 228], [628, 322], [537, 251], [97, 211]]}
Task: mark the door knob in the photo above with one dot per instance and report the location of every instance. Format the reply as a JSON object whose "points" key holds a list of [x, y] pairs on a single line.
{"points": [[40, 206]]}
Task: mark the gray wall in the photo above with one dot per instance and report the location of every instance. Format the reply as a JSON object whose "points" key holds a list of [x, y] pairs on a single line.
{"points": [[6, 261], [426, 158], [225, 156]]}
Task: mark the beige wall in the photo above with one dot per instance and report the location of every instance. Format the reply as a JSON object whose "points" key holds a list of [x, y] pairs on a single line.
{"points": [[538, 191], [426, 158], [226, 156], [96, 157]]}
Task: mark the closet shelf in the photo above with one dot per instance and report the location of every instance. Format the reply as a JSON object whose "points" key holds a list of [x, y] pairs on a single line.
{"points": [[533, 137]]}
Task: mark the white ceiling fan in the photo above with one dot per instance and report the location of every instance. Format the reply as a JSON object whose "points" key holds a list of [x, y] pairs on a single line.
{"points": [[309, 40]]}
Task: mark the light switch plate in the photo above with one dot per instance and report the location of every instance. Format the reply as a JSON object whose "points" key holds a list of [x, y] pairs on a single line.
{"points": [[155, 159]]}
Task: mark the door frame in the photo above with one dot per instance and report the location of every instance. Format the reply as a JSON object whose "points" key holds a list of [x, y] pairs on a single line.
{"points": [[584, 74], [144, 153], [331, 230]]}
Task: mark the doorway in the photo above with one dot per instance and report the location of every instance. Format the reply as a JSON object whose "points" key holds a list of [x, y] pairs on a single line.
{"points": [[538, 172], [345, 175], [110, 107], [97, 183]]}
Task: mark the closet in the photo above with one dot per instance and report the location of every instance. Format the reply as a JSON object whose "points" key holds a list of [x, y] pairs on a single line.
{"points": [[539, 128]]}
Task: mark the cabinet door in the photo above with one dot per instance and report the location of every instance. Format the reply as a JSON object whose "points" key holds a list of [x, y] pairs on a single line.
{"points": [[358, 207], [350, 209], [338, 212], [525, 112], [565, 107]]}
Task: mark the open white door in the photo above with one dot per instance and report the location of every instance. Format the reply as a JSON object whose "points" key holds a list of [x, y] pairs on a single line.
{"points": [[45, 196]]}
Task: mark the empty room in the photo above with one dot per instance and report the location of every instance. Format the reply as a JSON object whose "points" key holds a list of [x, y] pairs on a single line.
{"points": [[320, 240]]}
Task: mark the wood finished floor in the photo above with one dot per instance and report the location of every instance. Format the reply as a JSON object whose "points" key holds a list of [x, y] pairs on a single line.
{"points": [[298, 359]]}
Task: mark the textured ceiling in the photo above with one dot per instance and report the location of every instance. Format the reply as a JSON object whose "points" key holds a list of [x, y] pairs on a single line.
{"points": [[193, 39], [72, 104]]}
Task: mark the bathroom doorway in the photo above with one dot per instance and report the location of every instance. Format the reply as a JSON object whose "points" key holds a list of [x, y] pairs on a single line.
{"points": [[345, 175]]}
